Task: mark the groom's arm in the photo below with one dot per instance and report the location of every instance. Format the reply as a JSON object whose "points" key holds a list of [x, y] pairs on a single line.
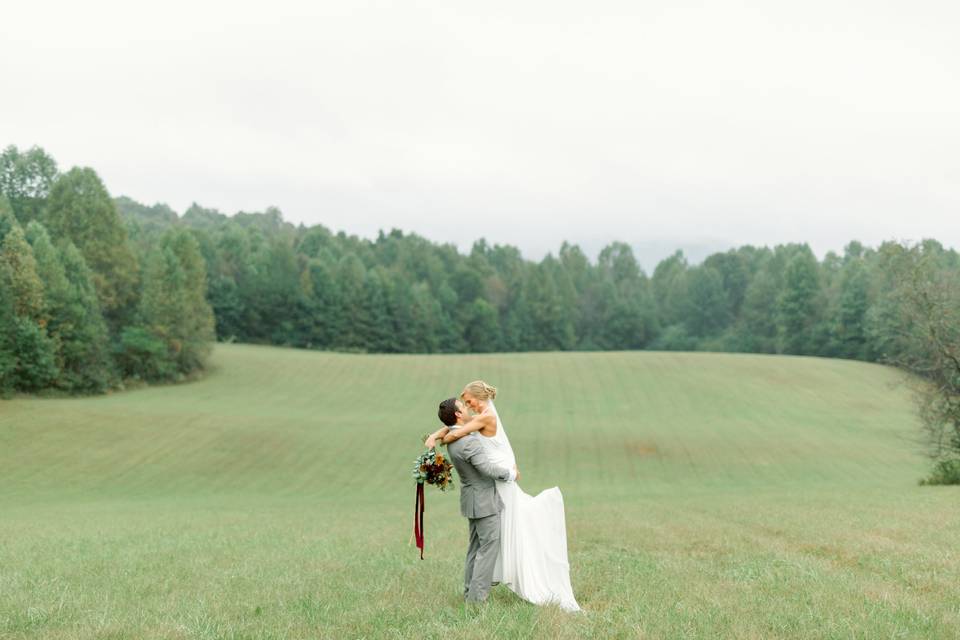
{"points": [[473, 452]]}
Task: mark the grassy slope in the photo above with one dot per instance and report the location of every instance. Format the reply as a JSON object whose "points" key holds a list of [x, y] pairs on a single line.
{"points": [[707, 495]]}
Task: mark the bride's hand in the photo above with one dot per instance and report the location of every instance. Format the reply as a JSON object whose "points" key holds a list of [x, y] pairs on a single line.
{"points": [[431, 442], [517, 479]]}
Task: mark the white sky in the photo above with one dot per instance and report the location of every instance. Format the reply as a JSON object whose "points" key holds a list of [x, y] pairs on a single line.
{"points": [[664, 124]]}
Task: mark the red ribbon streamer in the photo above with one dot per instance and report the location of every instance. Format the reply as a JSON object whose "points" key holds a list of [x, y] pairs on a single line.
{"points": [[418, 518]]}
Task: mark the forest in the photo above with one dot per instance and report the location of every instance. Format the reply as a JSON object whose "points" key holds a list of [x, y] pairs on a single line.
{"points": [[97, 291]]}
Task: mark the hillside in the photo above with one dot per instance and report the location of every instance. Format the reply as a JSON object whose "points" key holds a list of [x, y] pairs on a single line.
{"points": [[706, 494]]}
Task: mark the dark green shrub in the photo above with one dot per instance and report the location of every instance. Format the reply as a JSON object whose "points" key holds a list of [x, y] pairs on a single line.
{"points": [[944, 472]]}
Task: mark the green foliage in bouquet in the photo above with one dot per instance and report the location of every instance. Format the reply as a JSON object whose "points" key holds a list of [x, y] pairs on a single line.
{"points": [[432, 468]]}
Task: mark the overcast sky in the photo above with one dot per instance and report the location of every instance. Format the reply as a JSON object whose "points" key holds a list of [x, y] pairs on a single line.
{"points": [[663, 124]]}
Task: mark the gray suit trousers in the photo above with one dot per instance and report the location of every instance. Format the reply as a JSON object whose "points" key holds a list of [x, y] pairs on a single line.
{"points": [[482, 557]]}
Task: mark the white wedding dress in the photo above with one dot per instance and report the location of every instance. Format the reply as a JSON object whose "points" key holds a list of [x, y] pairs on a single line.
{"points": [[533, 534]]}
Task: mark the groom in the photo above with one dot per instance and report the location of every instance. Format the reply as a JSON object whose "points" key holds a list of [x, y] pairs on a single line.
{"points": [[479, 502]]}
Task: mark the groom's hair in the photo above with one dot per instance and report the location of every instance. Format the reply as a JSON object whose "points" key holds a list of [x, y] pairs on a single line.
{"points": [[448, 412]]}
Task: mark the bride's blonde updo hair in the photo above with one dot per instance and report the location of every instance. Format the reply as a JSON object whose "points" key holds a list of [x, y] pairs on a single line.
{"points": [[480, 390]]}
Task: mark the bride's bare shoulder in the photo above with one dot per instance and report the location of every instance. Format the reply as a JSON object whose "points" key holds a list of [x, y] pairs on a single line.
{"points": [[489, 427]]}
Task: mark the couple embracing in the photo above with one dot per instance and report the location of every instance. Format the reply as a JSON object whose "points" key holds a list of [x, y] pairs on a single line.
{"points": [[516, 539]]}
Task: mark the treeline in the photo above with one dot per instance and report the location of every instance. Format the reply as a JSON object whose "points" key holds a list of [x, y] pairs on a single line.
{"points": [[82, 307], [154, 276], [272, 282]]}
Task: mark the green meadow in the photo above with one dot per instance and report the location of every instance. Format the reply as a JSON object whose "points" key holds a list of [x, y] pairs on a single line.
{"points": [[707, 496]]}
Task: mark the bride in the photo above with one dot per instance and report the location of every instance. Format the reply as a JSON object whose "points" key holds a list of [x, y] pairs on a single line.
{"points": [[533, 533]]}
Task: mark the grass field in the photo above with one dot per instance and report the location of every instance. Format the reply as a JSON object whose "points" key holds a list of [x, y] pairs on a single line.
{"points": [[707, 496]]}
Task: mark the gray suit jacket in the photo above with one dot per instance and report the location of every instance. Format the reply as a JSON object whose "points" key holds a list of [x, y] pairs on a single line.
{"points": [[478, 491]]}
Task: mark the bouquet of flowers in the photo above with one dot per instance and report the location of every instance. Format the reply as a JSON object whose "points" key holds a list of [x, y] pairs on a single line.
{"points": [[432, 468]]}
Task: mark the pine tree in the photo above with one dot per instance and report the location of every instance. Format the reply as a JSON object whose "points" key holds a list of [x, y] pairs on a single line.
{"points": [[195, 323], [327, 315], [551, 328], [519, 333], [625, 312], [8, 356], [175, 324], [150, 347], [589, 284], [578, 274], [630, 322], [85, 339], [708, 310], [854, 303], [734, 275], [74, 321], [670, 289], [228, 307], [24, 279], [49, 268], [230, 277], [80, 209], [374, 323], [426, 318], [483, 329], [400, 313], [25, 180], [351, 276], [797, 308], [34, 352], [756, 329], [36, 367], [7, 219], [276, 285]]}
